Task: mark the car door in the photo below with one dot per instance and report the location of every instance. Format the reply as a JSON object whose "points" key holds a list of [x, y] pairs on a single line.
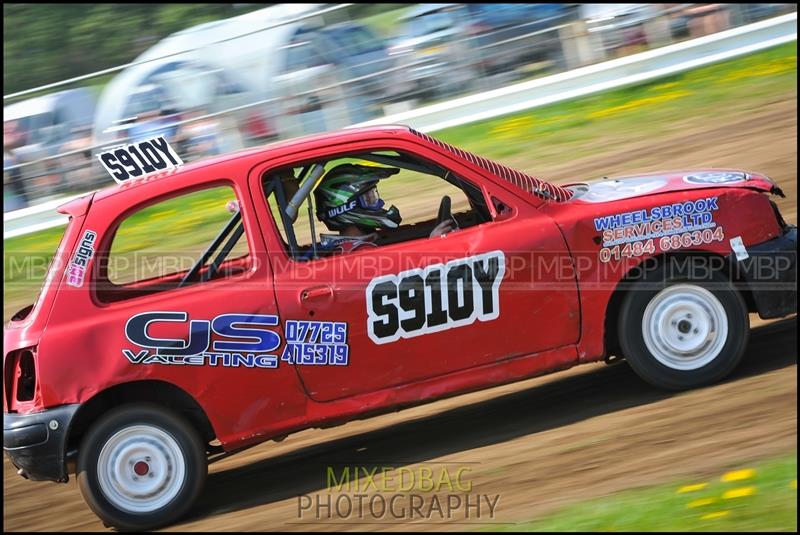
{"points": [[428, 307], [218, 339]]}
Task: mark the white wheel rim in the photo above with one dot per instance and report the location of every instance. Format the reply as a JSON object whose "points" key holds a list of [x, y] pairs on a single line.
{"points": [[685, 327], [141, 469]]}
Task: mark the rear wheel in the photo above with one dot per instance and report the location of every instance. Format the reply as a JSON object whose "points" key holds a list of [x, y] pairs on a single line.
{"points": [[678, 331], [141, 466]]}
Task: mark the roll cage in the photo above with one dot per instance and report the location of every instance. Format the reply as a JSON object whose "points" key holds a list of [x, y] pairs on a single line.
{"points": [[309, 180]]}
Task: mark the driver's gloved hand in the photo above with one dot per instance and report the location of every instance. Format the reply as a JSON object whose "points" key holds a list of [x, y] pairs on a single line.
{"points": [[448, 225]]}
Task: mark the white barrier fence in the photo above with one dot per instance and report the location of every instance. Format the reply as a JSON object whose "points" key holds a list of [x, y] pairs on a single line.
{"points": [[517, 97], [600, 77]]}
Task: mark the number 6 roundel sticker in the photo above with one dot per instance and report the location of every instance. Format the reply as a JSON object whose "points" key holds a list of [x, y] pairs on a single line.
{"points": [[139, 159]]}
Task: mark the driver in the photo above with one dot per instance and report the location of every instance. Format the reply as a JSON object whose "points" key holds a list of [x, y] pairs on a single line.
{"points": [[347, 200]]}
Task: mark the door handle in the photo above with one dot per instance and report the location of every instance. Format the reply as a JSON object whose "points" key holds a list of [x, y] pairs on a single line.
{"points": [[317, 292]]}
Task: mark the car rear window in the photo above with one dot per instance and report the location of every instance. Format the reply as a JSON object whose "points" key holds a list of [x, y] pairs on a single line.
{"points": [[165, 239]]}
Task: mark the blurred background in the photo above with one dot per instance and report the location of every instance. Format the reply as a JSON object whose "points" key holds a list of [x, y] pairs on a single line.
{"points": [[217, 78]]}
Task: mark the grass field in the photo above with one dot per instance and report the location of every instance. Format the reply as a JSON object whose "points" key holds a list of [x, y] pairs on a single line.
{"points": [[758, 497], [590, 125], [527, 141]]}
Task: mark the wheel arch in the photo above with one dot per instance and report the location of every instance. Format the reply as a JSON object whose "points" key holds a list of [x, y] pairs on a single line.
{"points": [[151, 391], [719, 263]]}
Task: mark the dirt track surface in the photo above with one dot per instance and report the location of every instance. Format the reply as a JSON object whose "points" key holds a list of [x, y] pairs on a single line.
{"points": [[541, 443], [764, 141]]}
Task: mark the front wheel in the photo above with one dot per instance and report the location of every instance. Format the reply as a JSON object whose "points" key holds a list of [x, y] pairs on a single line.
{"points": [[141, 466], [679, 332]]}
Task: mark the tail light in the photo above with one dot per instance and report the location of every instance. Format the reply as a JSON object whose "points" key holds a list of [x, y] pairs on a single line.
{"points": [[19, 378]]}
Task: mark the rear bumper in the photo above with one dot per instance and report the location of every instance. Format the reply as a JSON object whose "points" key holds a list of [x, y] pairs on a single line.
{"points": [[36, 443], [770, 274]]}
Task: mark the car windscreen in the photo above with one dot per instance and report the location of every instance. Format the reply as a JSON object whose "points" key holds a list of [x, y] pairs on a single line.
{"points": [[35, 126], [143, 102], [356, 41], [430, 23]]}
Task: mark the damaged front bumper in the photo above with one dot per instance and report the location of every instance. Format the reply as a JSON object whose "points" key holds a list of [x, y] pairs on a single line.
{"points": [[770, 274]]}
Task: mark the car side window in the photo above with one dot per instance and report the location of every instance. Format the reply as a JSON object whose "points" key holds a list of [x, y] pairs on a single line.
{"points": [[416, 190], [364, 41], [301, 55], [157, 247]]}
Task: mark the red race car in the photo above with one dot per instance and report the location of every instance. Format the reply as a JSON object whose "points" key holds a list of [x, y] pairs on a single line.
{"points": [[194, 310]]}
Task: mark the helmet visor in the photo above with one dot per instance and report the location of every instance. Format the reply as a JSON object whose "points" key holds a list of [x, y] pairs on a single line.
{"points": [[371, 200]]}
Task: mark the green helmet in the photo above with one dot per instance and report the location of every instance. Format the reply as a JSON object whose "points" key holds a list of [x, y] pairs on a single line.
{"points": [[348, 195]]}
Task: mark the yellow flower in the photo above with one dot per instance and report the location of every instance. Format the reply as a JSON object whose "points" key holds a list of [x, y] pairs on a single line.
{"points": [[739, 493], [738, 475], [712, 516], [638, 103], [661, 87], [692, 488], [701, 502]]}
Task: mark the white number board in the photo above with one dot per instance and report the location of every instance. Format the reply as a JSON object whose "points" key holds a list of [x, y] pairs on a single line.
{"points": [[139, 159]]}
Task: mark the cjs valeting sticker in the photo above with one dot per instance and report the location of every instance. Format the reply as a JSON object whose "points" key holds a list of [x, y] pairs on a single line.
{"points": [[242, 340], [316, 343]]}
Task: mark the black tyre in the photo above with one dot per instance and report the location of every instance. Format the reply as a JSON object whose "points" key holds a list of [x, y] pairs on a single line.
{"points": [[141, 466], [683, 325]]}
